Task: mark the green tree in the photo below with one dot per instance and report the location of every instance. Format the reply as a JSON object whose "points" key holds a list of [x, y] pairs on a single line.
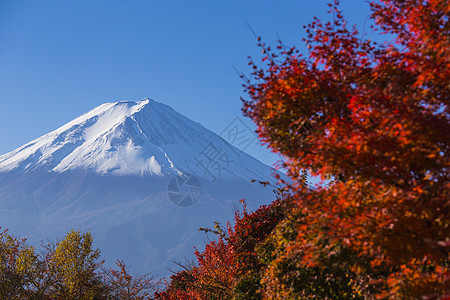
{"points": [[75, 266], [18, 263]]}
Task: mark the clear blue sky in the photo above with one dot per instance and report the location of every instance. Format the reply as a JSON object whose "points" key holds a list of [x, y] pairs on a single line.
{"points": [[61, 58]]}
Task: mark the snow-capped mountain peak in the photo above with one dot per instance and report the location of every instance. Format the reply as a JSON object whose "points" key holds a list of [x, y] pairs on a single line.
{"points": [[96, 140], [126, 137], [175, 176]]}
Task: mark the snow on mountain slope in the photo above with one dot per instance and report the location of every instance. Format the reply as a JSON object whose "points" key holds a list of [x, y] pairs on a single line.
{"points": [[125, 138], [112, 171]]}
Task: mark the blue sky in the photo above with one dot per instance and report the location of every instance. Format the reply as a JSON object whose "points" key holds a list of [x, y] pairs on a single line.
{"points": [[61, 58]]}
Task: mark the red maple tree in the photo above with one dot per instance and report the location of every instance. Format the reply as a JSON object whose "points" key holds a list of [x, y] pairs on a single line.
{"points": [[375, 119]]}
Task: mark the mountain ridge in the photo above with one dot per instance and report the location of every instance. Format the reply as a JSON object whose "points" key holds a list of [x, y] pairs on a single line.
{"points": [[122, 137], [119, 171]]}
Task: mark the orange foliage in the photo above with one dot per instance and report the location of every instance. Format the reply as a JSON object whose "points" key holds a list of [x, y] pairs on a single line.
{"points": [[375, 119]]}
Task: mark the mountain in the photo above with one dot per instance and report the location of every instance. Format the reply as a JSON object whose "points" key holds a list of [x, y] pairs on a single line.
{"points": [[140, 176]]}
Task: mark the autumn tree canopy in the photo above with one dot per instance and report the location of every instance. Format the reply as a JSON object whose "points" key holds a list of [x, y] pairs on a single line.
{"points": [[375, 118], [66, 269], [372, 119]]}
